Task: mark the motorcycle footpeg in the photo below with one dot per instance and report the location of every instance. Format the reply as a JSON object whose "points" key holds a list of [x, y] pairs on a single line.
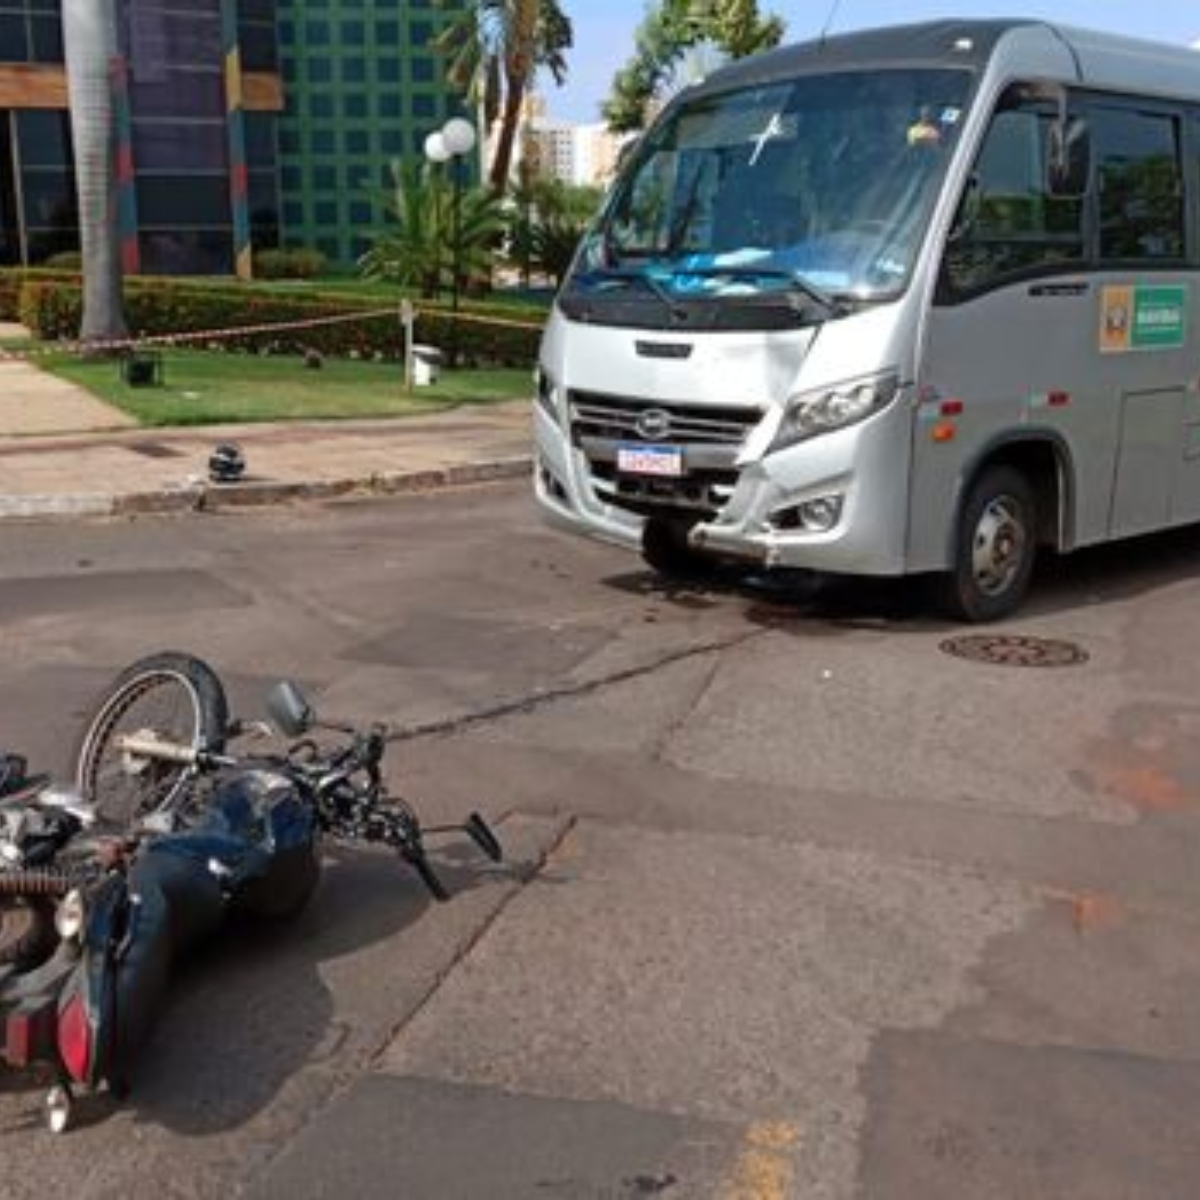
{"points": [[480, 832]]}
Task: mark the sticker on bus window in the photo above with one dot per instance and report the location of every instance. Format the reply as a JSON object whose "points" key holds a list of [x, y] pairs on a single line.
{"points": [[1143, 318]]}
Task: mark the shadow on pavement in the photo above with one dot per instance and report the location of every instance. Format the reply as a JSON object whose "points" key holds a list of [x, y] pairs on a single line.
{"points": [[1107, 574]]}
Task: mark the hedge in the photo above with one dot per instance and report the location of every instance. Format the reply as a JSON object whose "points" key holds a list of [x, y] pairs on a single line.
{"points": [[51, 308]]}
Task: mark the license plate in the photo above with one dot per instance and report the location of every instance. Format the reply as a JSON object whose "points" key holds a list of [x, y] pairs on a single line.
{"points": [[650, 460]]}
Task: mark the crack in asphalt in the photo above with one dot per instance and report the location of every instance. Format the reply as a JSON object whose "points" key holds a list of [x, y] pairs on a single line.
{"points": [[662, 743], [342, 1081], [544, 698]]}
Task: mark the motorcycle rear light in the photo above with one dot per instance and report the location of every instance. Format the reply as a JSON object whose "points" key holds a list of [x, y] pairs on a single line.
{"points": [[75, 1038]]}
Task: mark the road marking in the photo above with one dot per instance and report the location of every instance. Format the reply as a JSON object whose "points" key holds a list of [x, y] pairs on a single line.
{"points": [[764, 1168]]}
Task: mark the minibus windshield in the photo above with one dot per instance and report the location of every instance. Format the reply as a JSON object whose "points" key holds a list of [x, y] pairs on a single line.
{"points": [[823, 183]]}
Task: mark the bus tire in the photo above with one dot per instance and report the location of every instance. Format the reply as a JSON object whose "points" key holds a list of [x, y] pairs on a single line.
{"points": [[994, 548], [665, 548]]}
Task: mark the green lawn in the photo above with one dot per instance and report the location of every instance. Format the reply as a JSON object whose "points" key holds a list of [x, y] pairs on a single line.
{"points": [[203, 388]]}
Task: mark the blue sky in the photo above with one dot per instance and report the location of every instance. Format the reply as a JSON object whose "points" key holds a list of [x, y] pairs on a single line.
{"points": [[604, 30]]}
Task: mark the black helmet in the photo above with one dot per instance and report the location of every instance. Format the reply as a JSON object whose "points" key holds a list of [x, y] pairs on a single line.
{"points": [[227, 463]]}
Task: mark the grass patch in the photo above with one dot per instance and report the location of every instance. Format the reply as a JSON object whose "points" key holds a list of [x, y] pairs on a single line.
{"points": [[204, 388]]}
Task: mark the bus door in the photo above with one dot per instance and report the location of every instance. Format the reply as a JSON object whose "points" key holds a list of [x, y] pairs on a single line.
{"points": [[1011, 338]]}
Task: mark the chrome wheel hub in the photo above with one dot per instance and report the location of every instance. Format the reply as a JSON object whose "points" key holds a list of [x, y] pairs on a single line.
{"points": [[998, 547]]}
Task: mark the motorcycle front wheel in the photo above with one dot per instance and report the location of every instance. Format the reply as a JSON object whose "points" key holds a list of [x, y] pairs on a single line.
{"points": [[176, 697]]}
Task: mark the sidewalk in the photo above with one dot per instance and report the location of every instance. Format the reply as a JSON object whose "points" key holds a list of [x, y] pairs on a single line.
{"points": [[166, 470]]}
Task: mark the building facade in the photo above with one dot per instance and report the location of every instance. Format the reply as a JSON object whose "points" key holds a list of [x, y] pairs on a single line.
{"points": [[241, 124]]}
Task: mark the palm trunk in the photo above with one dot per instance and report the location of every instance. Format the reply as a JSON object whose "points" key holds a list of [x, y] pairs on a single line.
{"points": [[90, 42], [514, 97]]}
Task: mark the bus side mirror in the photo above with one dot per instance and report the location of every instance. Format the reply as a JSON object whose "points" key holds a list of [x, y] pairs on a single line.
{"points": [[1069, 157]]}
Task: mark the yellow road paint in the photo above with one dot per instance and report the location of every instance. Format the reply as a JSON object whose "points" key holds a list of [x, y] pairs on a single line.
{"points": [[764, 1169]]}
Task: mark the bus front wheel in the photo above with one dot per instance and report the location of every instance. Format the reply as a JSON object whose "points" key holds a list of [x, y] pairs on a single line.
{"points": [[665, 547], [995, 547]]}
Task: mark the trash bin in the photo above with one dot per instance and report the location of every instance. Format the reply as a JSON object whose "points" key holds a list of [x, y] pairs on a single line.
{"points": [[427, 363]]}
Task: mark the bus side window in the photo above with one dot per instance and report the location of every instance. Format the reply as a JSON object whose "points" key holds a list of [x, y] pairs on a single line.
{"points": [[1140, 180], [1010, 223]]}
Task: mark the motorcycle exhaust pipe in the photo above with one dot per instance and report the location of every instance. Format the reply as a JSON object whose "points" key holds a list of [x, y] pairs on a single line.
{"points": [[147, 745]]}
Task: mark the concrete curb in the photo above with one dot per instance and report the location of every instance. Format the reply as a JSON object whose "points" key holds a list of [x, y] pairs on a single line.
{"points": [[214, 497]]}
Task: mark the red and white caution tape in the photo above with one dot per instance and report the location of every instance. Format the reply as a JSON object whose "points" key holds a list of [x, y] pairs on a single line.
{"points": [[235, 332]]}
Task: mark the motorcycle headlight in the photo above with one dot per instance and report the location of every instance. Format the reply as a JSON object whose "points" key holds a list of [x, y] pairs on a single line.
{"points": [[70, 915], [821, 411]]}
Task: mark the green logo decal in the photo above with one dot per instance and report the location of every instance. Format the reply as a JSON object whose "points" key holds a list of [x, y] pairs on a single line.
{"points": [[1159, 316]]}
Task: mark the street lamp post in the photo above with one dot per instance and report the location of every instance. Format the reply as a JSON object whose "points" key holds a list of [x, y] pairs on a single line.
{"points": [[451, 144]]}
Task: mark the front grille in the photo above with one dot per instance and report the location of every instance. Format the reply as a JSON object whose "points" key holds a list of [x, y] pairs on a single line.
{"points": [[615, 418], [709, 436]]}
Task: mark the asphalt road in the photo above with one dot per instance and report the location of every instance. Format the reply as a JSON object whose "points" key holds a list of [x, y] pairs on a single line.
{"points": [[799, 905]]}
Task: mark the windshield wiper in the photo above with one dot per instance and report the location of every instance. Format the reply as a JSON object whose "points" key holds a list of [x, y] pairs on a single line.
{"points": [[834, 306], [648, 281]]}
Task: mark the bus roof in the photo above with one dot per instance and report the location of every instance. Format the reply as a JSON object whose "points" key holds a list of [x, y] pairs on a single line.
{"points": [[1102, 60]]}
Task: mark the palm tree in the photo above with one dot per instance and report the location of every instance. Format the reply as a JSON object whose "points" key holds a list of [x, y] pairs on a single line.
{"points": [[412, 249], [90, 43], [495, 50]]}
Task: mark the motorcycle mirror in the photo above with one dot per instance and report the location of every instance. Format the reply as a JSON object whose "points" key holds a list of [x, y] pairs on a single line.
{"points": [[289, 710]]}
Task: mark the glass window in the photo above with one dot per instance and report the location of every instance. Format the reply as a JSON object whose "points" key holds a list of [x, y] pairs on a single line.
{"points": [[49, 199], [320, 104], [323, 141], [320, 70], [167, 200], [387, 33], [390, 104], [1140, 181], [358, 141], [10, 246], [354, 70], [260, 139], [354, 33], [158, 145], [422, 70], [45, 39], [326, 212], [1008, 224], [361, 213], [388, 70], [325, 179], [14, 37], [258, 48], [44, 137], [354, 105], [420, 33], [316, 33], [423, 105], [187, 252]]}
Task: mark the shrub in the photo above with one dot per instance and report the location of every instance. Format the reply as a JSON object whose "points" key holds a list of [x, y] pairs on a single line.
{"points": [[52, 310], [68, 260], [11, 281], [299, 263]]}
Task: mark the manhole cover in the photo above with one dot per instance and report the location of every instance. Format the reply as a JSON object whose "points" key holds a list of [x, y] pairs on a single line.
{"points": [[1006, 650]]}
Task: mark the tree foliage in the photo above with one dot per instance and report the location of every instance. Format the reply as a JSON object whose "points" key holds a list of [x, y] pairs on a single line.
{"points": [[416, 248], [493, 52], [545, 220], [673, 27]]}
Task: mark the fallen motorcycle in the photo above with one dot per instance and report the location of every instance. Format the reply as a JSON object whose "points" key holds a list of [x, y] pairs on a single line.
{"points": [[137, 902]]}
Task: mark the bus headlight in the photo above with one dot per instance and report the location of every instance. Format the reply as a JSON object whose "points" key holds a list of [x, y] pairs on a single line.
{"points": [[812, 413]]}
